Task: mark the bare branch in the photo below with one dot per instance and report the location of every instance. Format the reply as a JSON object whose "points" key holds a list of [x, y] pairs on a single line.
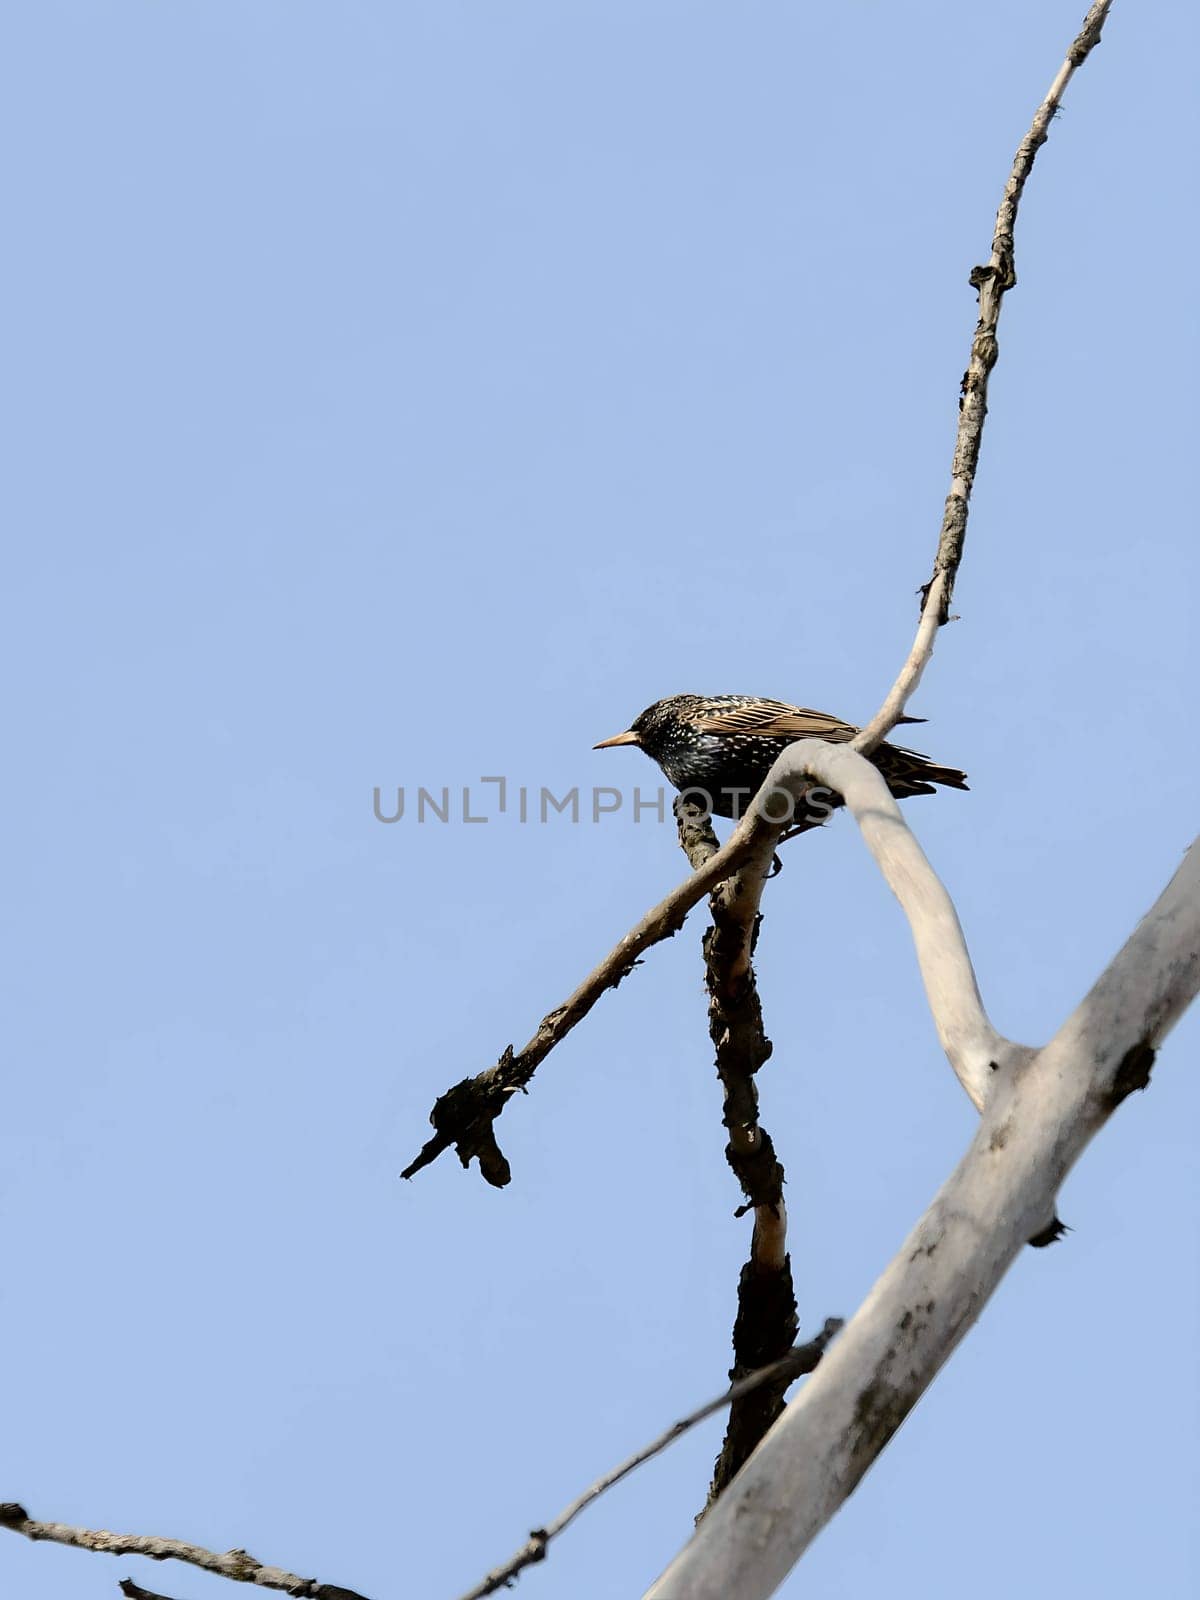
{"points": [[767, 1316], [804, 1358], [933, 603], [234, 1564], [993, 281], [465, 1115], [974, 1048], [1037, 1121]]}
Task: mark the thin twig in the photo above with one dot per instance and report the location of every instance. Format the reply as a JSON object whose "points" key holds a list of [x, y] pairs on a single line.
{"points": [[993, 281], [804, 1358], [898, 696], [234, 1564]]}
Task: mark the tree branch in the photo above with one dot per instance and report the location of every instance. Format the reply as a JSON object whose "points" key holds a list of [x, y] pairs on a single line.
{"points": [[804, 1358], [993, 280], [465, 1115], [974, 1048], [767, 1317], [234, 1564], [1038, 1119]]}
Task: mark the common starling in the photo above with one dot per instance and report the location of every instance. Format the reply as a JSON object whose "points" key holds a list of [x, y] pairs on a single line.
{"points": [[724, 745]]}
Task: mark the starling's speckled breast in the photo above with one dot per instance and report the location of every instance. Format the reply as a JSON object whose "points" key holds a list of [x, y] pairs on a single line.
{"points": [[724, 745]]}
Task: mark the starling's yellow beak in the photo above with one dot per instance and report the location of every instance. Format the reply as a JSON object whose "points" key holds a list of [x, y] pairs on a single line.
{"points": [[628, 737]]}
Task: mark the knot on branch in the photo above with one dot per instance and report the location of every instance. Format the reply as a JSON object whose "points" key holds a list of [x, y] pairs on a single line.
{"points": [[985, 352], [754, 1163], [948, 590], [696, 836], [465, 1116], [766, 1324], [1086, 40], [1001, 275], [1133, 1073], [1054, 1230], [763, 1333]]}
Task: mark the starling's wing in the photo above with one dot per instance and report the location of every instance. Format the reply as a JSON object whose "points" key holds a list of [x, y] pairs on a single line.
{"points": [[772, 719], [908, 772]]}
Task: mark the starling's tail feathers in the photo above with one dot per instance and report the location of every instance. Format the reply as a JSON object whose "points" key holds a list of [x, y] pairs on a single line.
{"points": [[908, 772], [948, 777]]}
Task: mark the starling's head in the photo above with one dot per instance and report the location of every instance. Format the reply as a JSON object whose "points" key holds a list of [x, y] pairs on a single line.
{"points": [[657, 726]]}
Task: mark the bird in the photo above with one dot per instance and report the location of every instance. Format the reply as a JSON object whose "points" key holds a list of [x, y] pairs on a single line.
{"points": [[722, 747]]}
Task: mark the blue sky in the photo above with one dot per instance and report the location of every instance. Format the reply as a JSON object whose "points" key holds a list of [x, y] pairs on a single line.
{"points": [[397, 394]]}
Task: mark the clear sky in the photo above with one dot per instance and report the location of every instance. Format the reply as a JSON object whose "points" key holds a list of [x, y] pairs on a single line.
{"points": [[398, 393]]}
